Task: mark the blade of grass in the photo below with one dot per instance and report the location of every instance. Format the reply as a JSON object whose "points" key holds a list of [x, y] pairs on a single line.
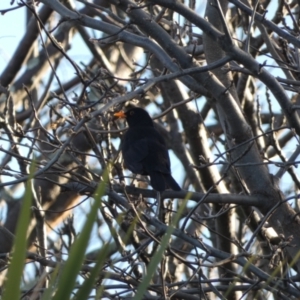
{"points": [[14, 274], [157, 257], [74, 262], [52, 284], [87, 286]]}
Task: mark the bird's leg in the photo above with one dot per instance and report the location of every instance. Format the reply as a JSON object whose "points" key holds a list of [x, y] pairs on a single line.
{"points": [[160, 206], [133, 179], [165, 262], [164, 216], [162, 211]]}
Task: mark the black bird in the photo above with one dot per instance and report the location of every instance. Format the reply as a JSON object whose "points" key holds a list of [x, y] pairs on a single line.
{"points": [[144, 150]]}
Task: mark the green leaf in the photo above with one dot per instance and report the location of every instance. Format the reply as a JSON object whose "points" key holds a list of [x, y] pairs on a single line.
{"points": [[87, 286], [15, 270], [76, 257], [158, 256], [52, 284]]}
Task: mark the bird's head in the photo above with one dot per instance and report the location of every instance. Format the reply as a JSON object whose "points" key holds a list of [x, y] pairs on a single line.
{"points": [[135, 117]]}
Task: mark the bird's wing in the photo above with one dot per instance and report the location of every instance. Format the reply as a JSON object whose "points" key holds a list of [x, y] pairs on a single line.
{"points": [[144, 152], [158, 157], [135, 154]]}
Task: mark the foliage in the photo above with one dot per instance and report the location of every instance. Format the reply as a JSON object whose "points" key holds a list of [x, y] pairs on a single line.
{"points": [[221, 82]]}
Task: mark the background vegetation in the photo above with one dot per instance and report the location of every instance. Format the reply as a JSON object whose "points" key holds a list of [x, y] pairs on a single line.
{"points": [[221, 80]]}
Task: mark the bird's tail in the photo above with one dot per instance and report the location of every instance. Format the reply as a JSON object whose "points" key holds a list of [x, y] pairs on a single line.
{"points": [[157, 181], [171, 183], [161, 181]]}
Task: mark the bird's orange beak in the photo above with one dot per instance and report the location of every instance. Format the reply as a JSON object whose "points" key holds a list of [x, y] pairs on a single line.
{"points": [[120, 114]]}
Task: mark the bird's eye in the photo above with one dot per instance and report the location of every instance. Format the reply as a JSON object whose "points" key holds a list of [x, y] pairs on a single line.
{"points": [[132, 113]]}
